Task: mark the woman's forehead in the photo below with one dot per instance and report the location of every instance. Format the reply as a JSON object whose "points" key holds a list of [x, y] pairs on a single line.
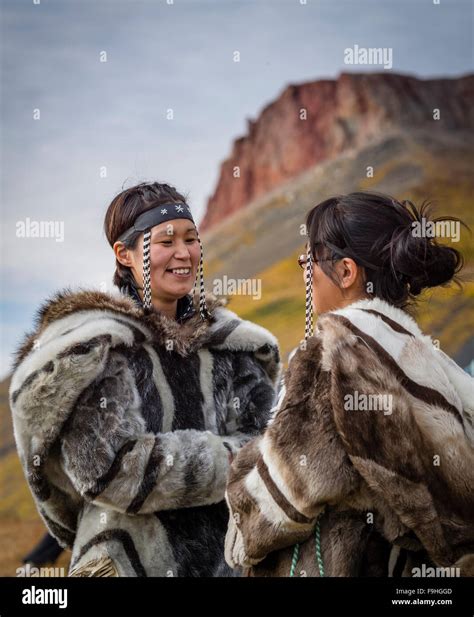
{"points": [[173, 227]]}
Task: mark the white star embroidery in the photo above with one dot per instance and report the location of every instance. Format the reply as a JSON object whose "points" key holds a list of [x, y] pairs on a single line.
{"points": [[179, 208], [164, 211]]}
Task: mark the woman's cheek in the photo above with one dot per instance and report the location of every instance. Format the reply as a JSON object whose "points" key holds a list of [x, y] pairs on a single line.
{"points": [[159, 257], [318, 290], [195, 253]]}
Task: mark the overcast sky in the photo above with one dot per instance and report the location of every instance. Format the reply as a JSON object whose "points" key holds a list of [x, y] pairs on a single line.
{"points": [[162, 56]]}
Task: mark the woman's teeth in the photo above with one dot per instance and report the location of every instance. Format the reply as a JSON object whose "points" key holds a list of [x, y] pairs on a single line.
{"points": [[181, 271]]}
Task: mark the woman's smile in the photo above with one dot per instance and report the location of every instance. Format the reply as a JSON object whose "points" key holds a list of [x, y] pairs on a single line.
{"points": [[181, 273]]}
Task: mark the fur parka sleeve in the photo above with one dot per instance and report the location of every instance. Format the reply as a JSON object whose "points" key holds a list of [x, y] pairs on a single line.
{"points": [[113, 461], [271, 501]]}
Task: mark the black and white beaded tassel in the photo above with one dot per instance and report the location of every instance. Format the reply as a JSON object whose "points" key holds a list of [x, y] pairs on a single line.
{"points": [[146, 271], [308, 331], [203, 310]]}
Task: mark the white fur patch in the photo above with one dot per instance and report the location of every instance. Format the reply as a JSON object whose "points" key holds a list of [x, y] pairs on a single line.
{"points": [[206, 365], [164, 389], [280, 398], [394, 313], [393, 342], [49, 347], [414, 362], [247, 336], [269, 509], [464, 385], [272, 466]]}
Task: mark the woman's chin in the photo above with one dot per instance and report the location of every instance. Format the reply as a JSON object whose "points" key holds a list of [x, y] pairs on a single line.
{"points": [[178, 289]]}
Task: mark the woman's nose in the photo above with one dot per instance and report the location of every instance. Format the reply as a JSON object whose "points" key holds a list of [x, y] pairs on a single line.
{"points": [[182, 251]]}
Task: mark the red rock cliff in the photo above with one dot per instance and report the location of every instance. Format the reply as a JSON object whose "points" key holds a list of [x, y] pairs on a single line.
{"points": [[316, 121]]}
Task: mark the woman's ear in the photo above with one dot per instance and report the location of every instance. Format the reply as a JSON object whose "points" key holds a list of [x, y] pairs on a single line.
{"points": [[123, 254], [348, 272]]}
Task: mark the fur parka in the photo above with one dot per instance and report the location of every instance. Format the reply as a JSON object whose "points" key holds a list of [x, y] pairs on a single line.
{"points": [[124, 424], [368, 462]]}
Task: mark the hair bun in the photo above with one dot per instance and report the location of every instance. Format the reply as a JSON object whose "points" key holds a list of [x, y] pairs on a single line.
{"points": [[419, 258]]}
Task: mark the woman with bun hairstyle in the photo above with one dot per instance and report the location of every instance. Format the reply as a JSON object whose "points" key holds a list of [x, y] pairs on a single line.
{"points": [[128, 406], [367, 467]]}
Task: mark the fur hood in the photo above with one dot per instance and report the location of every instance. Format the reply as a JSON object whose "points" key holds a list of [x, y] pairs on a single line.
{"points": [[187, 337]]}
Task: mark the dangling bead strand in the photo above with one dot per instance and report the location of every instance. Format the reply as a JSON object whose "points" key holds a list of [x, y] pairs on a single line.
{"points": [[146, 271], [203, 310], [309, 295]]}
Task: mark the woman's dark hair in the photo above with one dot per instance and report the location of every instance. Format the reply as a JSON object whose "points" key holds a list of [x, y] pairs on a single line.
{"points": [[386, 238], [122, 212]]}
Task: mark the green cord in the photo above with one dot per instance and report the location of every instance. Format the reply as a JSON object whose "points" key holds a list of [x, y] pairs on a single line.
{"points": [[294, 560], [318, 551], [317, 544]]}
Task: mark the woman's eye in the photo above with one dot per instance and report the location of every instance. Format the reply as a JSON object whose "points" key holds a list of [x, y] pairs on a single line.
{"points": [[170, 242]]}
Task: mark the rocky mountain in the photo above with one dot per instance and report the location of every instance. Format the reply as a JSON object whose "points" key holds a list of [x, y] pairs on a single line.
{"points": [[315, 122]]}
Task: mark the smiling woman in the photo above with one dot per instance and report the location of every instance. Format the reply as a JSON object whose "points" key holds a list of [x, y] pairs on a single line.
{"points": [[129, 407], [166, 256]]}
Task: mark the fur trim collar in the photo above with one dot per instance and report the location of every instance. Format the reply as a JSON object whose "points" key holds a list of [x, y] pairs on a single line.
{"points": [[389, 310], [187, 336]]}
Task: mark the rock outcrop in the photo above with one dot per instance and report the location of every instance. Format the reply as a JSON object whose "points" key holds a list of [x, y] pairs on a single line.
{"points": [[317, 121]]}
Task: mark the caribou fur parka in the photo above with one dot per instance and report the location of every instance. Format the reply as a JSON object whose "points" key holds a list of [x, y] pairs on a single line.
{"points": [[125, 423], [368, 462]]}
